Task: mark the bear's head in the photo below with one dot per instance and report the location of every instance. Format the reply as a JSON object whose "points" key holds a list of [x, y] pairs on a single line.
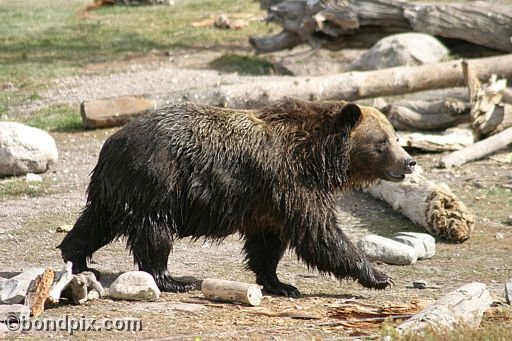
{"points": [[374, 149]]}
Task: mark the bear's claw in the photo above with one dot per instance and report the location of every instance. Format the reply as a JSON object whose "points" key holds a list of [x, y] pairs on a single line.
{"points": [[281, 289]]}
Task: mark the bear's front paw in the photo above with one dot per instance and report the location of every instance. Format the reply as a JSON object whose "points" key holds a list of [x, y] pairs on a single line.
{"points": [[377, 280]]}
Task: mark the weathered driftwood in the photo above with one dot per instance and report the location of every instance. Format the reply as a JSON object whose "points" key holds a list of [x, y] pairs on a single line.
{"points": [[448, 140], [62, 279], [230, 291], [463, 307], [328, 23], [427, 204], [490, 112], [478, 150], [427, 115], [351, 85], [39, 291]]}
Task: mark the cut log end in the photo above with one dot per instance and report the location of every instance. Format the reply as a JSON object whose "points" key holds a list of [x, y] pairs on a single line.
{"points": [[448, 217]]}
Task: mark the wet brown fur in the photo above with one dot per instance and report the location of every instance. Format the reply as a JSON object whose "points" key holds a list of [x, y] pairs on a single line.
{"points": [[196, 171]]}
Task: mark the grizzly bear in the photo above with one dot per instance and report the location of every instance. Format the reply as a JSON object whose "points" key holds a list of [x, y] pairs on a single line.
{"points": [[270, 175]]}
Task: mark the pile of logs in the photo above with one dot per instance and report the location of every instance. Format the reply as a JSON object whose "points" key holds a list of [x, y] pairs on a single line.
{"points": [[336, 24]]}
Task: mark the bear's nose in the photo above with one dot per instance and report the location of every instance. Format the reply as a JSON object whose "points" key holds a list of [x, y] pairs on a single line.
{"points": [[410, 163]]}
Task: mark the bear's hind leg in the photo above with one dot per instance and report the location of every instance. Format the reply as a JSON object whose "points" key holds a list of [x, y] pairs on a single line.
{"points": [[263, 253], [151, 247]]}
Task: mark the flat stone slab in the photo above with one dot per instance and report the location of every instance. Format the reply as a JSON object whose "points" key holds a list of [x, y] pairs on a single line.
{"points": [[387, 250], [111, 112], [424, 244]]}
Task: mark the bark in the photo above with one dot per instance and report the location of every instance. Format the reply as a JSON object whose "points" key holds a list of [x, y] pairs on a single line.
{"points": [[478, 150], [39, 291], [427, 204], [462, 307], [322, 23], [223, 290]]}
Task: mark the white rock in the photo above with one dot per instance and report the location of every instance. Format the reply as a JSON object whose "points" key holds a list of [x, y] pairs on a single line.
{"points": [[135, 285], [17, 311], [14, 290], [402, 49], [24, 149], [387, 250], [31, 177], [424, 244]]}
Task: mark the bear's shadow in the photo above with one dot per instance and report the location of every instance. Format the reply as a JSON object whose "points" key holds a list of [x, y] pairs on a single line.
{"points": [[364, 212]]}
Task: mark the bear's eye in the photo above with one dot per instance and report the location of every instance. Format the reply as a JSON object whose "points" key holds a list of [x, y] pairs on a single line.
{"points": [[382, 141]]}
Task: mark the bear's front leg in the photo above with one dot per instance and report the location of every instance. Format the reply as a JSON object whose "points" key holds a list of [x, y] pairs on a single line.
{"points": [[327, 248], [263, 251]]}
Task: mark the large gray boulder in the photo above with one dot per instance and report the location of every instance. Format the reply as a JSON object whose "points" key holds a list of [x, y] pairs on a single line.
{"points": [[402, 49], [24, 149]]}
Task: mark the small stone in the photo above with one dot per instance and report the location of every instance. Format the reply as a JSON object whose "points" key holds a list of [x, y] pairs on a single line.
{"points": [[499, 236], [31, 177], [93, 295], [424, 244], [508, 291], [509, 220], [64, 228], [387, 250], [14, 311], [135, 285], [420, 284]]}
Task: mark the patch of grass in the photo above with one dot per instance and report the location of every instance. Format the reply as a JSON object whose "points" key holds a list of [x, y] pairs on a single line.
{"points": [[244, 64], [59, 117], [14, 187], [42, 39]]}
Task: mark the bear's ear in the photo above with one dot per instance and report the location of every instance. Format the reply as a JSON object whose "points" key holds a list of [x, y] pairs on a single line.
{"points": [[348, 117]]}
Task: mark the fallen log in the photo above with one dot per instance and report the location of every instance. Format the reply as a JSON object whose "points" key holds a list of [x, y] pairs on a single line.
{"points": [[230, 291], [328, 23], [448, 140], [463, 307], [427, 115], [350, 85], [478, 150], [427, 204], [343, 86]]}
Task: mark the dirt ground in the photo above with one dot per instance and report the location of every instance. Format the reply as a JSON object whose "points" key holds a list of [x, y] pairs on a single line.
{"points": [[28, 238]]}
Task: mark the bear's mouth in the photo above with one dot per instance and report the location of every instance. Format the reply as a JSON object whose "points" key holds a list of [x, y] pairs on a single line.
{"points": [[394, 176]]}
